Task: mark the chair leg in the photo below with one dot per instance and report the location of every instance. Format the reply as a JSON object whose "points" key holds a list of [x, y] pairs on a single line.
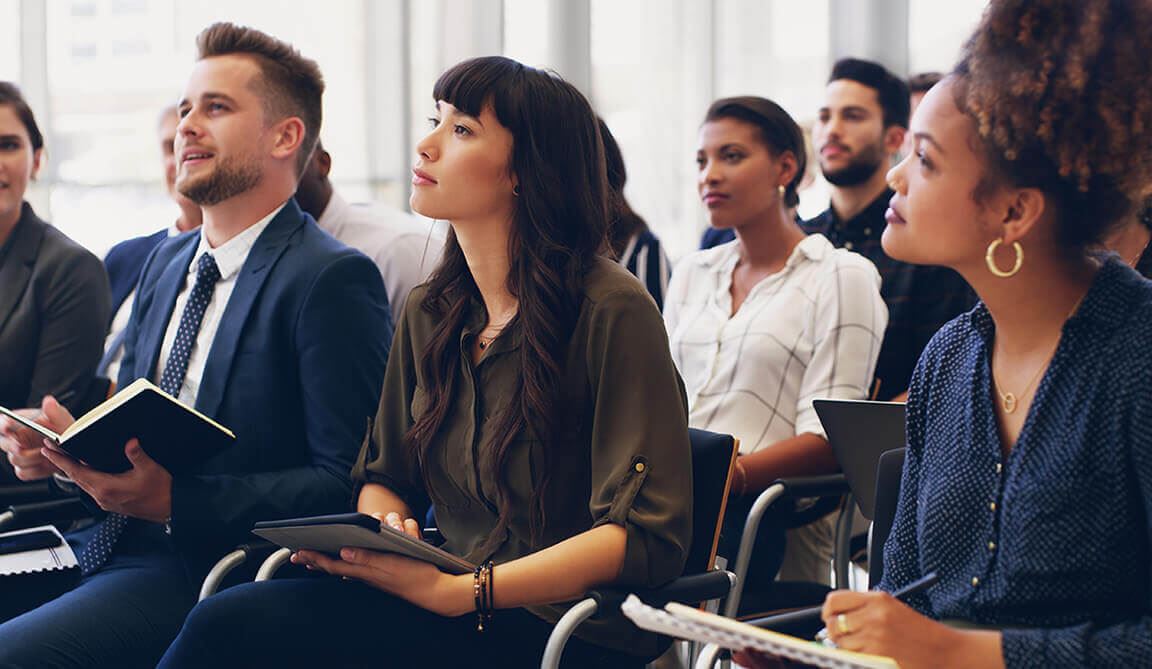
{"points": [[219, 571], [708, 656], [581, 611], [273, 563], [747, 542], [843, 560]]}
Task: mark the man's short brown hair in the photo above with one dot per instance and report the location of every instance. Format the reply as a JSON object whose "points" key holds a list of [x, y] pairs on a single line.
{"points": [[290, 84]]}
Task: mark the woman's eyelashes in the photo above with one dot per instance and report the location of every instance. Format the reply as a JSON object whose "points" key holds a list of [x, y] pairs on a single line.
{"points": [[457, 129]]}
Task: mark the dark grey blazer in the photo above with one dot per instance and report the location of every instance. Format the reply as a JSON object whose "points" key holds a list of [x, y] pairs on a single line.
{"points": [[54, 310]]}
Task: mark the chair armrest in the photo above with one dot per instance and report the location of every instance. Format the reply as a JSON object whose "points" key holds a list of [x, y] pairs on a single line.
{"points": [[827, 485], [258, 549], [43, 513], [686, 590], [23, 493]]}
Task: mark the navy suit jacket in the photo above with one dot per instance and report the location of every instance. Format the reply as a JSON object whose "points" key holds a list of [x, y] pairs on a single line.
{"points": [[125, 262], [295, 371]]}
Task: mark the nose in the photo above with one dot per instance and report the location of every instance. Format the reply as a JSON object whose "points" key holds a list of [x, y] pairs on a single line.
{"points": [[895, 177], [427, 148], [187, 126], [709, 174]]}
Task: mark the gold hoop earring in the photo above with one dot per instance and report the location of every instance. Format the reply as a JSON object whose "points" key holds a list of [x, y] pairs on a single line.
{"points": [[990, 258]]}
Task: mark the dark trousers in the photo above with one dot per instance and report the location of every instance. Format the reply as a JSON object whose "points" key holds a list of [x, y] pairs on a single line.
{"points": [[123, 616], [327, 622]]}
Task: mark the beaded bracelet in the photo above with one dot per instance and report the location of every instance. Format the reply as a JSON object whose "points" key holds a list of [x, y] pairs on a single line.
{"points": [[482, 594]]}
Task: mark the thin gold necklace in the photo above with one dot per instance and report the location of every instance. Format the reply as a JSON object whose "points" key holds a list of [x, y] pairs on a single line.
{"points": [[1009, 401]]}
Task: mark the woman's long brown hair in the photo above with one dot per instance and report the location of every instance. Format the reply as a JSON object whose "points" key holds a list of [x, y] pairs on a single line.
{"points": [[559, 228]]}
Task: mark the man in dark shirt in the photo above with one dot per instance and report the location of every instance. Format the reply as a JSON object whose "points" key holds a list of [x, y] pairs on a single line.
{"points": [[861, 125]]}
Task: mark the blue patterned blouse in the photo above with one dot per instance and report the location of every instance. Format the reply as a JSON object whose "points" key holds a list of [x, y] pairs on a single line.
{"points": [[1051, 543]]}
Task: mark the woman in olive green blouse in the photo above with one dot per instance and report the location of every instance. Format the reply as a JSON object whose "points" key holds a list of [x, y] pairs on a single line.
{"points": [[530, 397]]}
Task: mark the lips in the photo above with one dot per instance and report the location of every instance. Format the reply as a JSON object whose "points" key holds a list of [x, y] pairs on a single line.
{"points": [[712, 199], [194, 155], [422, 178], [893, 217], [833, 150]]}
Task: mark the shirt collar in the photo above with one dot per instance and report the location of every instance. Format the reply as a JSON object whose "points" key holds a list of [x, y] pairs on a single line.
{"points": [[722, 259], [870, 217], [230, 255]]}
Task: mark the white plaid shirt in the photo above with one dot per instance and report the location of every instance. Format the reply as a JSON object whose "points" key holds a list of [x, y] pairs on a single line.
{"points": [[811, 330]]}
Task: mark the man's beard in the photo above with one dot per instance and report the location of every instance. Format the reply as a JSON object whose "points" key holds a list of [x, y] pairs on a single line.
{"points": [[860, 170], [230, 178]]}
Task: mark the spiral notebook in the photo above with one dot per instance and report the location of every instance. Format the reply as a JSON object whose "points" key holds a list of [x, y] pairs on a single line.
{"points": [[684, 622], [56, 558]]}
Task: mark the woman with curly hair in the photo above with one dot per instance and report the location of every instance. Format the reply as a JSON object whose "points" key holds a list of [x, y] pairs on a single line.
{"points": [[1028, 481], [529, 395]]}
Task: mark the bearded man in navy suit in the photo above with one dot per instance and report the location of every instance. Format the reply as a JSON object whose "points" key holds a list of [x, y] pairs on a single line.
{"points": [[259, 319]]}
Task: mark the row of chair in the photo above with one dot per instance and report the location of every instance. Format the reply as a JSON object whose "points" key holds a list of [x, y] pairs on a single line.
{"points": [[713, 459]]}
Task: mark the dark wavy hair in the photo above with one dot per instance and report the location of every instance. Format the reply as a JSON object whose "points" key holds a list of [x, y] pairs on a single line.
{"points": [[1059, 93], [891, 90], [624, 221], [777, 130], [559, 228]]}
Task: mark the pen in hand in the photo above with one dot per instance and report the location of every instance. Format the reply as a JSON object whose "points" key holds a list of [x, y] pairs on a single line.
{"points": [[914, 588]]}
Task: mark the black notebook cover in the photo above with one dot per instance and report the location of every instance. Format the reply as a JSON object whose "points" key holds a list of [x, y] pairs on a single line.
{"points": [[175, 436]]}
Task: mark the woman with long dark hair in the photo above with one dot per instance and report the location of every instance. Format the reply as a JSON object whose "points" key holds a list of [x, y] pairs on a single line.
{"points": [[529, 396]]}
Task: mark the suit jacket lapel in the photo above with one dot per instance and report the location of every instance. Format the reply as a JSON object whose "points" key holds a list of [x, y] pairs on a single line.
{"points": [[269, 247], [17, 269], [151, 331]]}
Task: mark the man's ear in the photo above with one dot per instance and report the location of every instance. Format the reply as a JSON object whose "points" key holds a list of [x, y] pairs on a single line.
{"points": [[894, 138], [1018, 212], [288, 137]]}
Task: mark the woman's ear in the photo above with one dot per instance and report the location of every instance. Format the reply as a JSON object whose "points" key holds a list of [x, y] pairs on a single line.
{"points": [[788, 168], [1019, 212], [37, 156]]}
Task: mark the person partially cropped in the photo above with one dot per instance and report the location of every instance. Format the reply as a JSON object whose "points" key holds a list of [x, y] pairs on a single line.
{"points": [[54, 299], [529, 396], [1028, 481]]}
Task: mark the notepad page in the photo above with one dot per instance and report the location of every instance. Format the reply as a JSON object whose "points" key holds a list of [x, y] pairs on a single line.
{"points": [[39, 560], [687, 623]]}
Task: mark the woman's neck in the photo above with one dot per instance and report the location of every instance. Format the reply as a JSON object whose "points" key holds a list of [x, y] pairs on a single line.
{"points": [[486, 253], [1030, 308], [765, 244]]}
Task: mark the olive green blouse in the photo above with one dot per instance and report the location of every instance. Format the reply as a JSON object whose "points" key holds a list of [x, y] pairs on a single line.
{"points": [[623, 456]]}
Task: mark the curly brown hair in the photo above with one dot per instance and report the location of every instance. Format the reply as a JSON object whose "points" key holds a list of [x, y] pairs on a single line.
{"points": [[1059, 90]]}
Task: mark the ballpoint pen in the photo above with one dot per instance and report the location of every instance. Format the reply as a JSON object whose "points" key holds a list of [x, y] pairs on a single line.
{"points": [[915, 587]]}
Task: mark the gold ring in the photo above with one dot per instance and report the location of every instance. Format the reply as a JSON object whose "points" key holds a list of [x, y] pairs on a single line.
{"points": [[842, 624]]}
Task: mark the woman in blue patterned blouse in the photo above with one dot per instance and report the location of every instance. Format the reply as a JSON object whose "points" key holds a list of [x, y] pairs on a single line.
{"points": [[1028, 481]]}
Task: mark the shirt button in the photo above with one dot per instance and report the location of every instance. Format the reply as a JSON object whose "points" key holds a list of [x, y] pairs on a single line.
{"points": [[867, 231], [975, 581], [999, 467], [639, 466], [848, 245], [992, 505], [991, 545]]}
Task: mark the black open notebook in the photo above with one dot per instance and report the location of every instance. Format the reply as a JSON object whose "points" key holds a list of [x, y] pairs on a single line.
{"points": [[173, 434]]}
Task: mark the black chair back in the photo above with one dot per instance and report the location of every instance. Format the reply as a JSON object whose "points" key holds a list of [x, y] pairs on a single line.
{"points": [[888, 474], [713, 456]]}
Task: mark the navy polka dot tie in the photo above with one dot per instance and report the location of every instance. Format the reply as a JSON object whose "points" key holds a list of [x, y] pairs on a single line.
{"points": [[99, 548]]}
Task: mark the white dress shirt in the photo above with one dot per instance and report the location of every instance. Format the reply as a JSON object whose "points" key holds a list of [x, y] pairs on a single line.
{"points": [[404, 248], [229, 257], [813, 329]]}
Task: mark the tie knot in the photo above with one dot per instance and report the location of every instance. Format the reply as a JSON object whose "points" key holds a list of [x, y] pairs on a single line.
{"points": [[206, 269]]}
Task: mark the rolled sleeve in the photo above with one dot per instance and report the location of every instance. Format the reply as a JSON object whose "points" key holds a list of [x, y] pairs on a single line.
{"points": [[641, 457]]}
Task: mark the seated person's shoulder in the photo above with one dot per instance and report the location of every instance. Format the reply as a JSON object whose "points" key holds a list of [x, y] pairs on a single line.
{"points": [[608, 282], [65, 254]]}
